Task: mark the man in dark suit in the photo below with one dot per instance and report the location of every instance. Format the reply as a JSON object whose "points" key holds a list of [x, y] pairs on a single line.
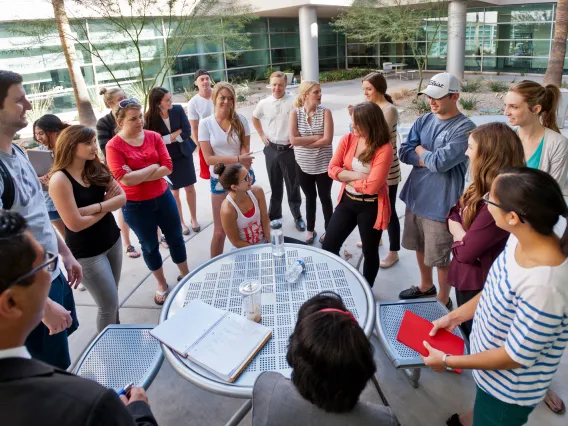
{"points": [[31, 392]]}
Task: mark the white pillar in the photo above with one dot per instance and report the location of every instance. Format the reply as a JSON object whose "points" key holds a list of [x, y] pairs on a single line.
{"points": [[457, 13], [309, 42]]}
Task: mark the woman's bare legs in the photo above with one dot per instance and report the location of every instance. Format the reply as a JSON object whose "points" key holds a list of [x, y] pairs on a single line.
{"points": [[218, 240]]}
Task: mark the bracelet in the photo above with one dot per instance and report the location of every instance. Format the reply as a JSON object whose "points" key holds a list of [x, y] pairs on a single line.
{"points": [[444, 358], [101, 208]]}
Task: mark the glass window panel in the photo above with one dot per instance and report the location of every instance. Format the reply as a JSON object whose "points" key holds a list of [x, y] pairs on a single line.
{"points": [[328, 64], [362, 49], [362, 62], [473, 64], [257, 26], [122, 52], [327, 52], [189, 64], [103, 30], [519, 13], [327, 37], [256, 57], [250, 74], [256, 41], [284, 25], [285, 40], [186, 81], [435, 64], [517, 48], [341, 38], [530, 30], [200, 45], [126, 71], [513, 64], [12, 36], [285, 55], [49, 79]]}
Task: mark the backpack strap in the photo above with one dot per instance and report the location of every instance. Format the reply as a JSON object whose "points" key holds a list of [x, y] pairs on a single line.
{"points": [[9, 193]]}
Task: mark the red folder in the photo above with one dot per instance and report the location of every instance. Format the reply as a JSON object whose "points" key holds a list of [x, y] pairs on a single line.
{"points": [[414, 330]]}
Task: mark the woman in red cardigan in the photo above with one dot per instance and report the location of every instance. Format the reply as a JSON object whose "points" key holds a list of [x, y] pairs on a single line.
{"points": [[362, 162], [139, 161]]}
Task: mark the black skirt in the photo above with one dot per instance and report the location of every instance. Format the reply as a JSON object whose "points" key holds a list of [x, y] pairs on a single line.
{"points": [[183, 173]]}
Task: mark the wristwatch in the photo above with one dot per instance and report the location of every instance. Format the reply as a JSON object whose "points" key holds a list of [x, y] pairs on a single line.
{"points": [[445, 364]]}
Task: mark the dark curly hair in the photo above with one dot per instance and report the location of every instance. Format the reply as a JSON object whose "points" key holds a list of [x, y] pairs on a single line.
{"points": [[331, 358], [16, 249]]}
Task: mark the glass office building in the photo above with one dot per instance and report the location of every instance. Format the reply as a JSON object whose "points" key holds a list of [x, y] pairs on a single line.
{"points": [[506, 39]]}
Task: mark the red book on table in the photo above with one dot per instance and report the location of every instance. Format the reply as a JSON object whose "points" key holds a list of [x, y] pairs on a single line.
{"points": [[414, 330]]}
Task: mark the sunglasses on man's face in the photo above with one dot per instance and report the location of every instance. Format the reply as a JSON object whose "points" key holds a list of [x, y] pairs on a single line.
{"points": [[486, 200], [50, 263]]}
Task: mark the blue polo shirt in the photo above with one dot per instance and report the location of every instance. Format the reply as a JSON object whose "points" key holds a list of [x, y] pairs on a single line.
{"points": [[432, 190]]}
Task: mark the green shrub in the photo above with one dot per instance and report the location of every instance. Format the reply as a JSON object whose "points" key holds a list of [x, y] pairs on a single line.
{"points": [[471, 86], [341, 75], [268, 72], [469, 103], [498, 85], [420, 105]]}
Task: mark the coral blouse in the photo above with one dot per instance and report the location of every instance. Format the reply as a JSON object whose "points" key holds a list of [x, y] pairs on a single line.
{"points": [[376, 182]]}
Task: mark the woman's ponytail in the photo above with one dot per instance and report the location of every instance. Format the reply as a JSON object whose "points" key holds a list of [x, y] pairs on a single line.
{"points": [[550, 106], [219, 169]]}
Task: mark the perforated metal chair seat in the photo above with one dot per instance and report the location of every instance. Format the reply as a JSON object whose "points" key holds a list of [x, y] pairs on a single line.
{"points": [[388, 319], [122, 354]]}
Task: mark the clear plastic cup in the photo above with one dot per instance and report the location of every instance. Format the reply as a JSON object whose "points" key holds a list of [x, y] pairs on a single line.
{"points": [[252, 299]]}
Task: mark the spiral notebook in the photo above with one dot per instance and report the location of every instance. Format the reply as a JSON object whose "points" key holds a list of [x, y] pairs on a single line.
{"points": [[221, 342]]}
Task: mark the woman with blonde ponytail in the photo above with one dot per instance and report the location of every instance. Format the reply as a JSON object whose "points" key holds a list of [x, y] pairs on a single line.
{"points": [[311, 132], [532, 107]]}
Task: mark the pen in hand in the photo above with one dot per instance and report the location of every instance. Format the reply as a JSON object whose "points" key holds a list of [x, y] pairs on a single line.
{"points": [[126, 390]]}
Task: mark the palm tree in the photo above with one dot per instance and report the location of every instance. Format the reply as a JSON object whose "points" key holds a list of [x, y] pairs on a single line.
{"points": [[84, 107], [558, 53]]}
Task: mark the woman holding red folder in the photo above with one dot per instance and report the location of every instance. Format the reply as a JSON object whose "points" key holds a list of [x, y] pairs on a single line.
{"points": [[520, 319]]}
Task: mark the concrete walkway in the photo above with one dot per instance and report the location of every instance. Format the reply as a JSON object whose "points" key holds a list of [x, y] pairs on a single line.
{"points": [[177, 402]]}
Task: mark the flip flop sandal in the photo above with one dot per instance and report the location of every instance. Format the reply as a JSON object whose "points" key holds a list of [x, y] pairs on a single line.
{"points": [[131, 252], [161, 294], [552, 405]]}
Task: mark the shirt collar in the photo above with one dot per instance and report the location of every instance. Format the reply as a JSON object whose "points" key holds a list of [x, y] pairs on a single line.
{"points": [[19, 352]]}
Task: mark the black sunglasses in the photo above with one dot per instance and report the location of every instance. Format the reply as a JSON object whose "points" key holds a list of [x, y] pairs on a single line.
{"points": [[50, 263], [125, 102], [486, 200]]}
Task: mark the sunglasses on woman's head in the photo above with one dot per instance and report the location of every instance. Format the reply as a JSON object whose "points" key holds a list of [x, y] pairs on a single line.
{"points": [[124, 103], [486, 200]]}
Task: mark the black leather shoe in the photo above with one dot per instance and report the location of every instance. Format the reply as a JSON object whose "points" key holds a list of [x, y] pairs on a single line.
{"points": [[415, 293], [300, 225]]}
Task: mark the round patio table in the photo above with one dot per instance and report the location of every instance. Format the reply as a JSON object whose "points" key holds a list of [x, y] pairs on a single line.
{"points": [[217, 282]]}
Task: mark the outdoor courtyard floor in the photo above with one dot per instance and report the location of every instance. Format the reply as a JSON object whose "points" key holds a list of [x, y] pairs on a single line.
{"points": [[176, 402]]}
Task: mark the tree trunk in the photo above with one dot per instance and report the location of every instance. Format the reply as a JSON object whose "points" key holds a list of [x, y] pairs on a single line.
{"points": [[558, 53], [82, 99]]}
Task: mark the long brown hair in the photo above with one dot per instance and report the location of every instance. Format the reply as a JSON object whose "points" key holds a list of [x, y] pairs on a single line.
{"points": [[546, 96], [498, 148], [152, 117], [95, 172], [237, 126], [369, 120], [379, 82]]}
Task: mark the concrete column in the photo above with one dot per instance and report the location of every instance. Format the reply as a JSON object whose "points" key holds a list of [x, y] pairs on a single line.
{"points": [[457, 13], [309, 42]]}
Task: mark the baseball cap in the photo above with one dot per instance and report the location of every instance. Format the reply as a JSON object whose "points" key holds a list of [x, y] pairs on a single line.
{"points": [[198, 74], [441, 85]]}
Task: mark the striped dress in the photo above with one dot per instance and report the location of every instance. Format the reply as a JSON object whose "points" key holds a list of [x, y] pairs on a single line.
{"points": [[524, 310], [391, 116], [313, 161]]}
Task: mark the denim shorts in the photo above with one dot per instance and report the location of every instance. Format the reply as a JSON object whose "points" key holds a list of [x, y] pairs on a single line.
{"points": [[54, 215], [217, 188]]}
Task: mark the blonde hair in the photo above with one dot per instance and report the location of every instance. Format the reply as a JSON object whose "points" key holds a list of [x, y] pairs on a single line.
{"points": [[278, 74], [108, 95], [546, 96], [305, 88], [237, 126]]}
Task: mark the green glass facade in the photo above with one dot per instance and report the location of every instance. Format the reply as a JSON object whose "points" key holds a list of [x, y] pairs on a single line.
{"points": [[507, 39], [498, 39]]}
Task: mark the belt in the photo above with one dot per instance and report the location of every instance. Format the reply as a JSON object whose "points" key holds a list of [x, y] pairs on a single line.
{"points": [[364, 198], [280, 147]]}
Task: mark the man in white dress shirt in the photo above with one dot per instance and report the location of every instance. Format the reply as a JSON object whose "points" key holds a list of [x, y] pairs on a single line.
{"points": [[280, 161]]}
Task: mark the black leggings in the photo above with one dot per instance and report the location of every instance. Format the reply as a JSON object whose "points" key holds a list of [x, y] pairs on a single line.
{"points": [[462, 297], [349, 214], [394, 224], [309, 183]]}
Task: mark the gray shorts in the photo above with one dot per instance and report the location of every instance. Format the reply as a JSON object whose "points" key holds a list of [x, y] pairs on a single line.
{"points": [[430, 236]]}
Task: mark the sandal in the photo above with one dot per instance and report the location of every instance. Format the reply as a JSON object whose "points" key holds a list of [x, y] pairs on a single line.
{"points": [[549, 400], [163, 295], [196, 229], [164, 243], [310, 240], [131, 252], [322, 238], [185, 230]]}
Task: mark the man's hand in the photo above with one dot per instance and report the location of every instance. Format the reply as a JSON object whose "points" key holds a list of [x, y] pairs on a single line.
{"points": [[135, 394], [265, 140], [56, 318], [74, 270]]}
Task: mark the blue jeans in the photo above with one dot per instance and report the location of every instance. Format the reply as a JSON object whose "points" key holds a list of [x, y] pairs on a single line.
{"points": [[144, 217]]}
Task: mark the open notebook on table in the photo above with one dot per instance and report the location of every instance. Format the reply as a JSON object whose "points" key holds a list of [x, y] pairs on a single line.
{"points": [[222, 342]]}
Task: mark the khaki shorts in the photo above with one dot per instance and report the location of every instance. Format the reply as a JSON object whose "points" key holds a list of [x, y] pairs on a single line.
{"points": [[429, 236]]}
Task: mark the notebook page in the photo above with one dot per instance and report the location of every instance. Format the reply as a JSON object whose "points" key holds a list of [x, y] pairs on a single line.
{"points": [[228, 345], [187, 326]]}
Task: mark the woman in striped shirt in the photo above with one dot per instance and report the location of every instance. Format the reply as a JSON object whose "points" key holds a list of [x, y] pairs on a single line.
{"points": [[520, 319], [311, 134]]}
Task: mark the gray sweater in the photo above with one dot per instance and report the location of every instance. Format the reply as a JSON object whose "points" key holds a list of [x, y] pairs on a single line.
{"points": [[554, 158]]}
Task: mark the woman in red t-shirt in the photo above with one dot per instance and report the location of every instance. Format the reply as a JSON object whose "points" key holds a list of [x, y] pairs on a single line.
{"points": [[139, 160]]}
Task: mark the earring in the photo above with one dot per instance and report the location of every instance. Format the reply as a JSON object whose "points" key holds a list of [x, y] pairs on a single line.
{"points": [[510, 222]]}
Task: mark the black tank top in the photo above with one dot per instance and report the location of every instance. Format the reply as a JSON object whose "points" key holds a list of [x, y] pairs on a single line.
{"points": [[99, 237]]}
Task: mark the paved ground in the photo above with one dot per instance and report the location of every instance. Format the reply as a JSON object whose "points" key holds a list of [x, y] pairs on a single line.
{"points": [[177, 402]]}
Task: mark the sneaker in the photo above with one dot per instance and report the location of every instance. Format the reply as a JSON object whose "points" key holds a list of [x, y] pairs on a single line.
{"points": [[415, 293], [450, 305]]}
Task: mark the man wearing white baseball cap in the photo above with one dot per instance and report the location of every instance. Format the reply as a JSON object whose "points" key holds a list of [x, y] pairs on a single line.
{"points": [[436, 148]]}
